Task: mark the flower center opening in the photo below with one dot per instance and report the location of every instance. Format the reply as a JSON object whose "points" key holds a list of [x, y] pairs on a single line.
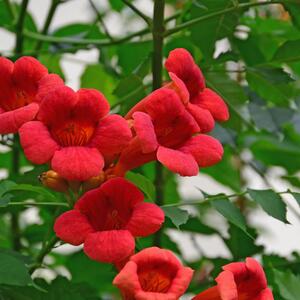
{"points": [[73, 134], [21, 99], [155, 280]]}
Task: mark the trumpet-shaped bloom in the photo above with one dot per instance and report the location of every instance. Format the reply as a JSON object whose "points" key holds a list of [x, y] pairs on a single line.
{"points": [[22, 86], [106, 220], [74, 133], [239, 281], [153, 273], [165, 130], [203, 103]]}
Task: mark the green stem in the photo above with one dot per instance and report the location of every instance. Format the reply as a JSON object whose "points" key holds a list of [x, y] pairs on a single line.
{"points": [[41, 255], [95, 42], [157, 67], [38, 204], [100, 19], [219, 13], [19, 27], [138, 12], [215, 197], [48, 21]]}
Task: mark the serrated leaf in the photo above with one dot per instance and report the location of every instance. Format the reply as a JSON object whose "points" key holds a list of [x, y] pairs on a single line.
{"points": [[271, 203], [142, 183], [177, 215], [288, 284], [288, 52], [230, 212], [296, 196]]}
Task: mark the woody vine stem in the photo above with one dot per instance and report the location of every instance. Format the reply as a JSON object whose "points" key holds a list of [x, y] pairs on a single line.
{"points": [[158, 41]]}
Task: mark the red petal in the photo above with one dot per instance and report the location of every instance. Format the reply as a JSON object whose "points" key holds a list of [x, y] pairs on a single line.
{"points": [[72, 227], [206, 150], [109, 246], [132, 157], [203, 117], [77, 163], [127, 194], [177, 161], [112, 135], [6, 86], [27, 73], [47, 84], [211, 101], [209, 294], [266, 294], [180, 88], [163, 105], [37, 143], [181, 63], [181, 281], [227, 286], [91, 106], [11, 121], [127, 280], [146, 219], [57, 106], [144, 129]]}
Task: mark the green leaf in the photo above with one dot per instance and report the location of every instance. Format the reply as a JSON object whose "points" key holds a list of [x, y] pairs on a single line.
{"points": [[177, 215], [96, 77], [32, 188], [13, 271], [288, 284], [209, 31], [5, 186], [270, 84], [142, 183], [294, 11], [240, 244], [129, 91], [232, 93], [230, 212], [297, 197], [288, 52], [271, 203]]}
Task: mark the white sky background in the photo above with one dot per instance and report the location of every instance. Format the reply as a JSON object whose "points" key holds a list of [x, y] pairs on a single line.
{"points": [[274, 235]]}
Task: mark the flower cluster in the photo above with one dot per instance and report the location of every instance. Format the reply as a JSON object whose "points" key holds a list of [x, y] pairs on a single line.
{"points": [[89, 151]]}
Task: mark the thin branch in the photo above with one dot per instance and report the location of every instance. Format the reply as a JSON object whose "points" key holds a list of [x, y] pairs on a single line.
{"points": [[51, 12], [100, 19], [215, 197], [158, 40], [218, 13], [19, 27], [38, 204], [138, 12], [75, 41], [44, 251]]}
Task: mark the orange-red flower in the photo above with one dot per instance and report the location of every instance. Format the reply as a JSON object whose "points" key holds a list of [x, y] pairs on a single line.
{"points": [[75, 133], [239, 281], [108, 219], [166, 131], [153, 273], [203, 103], [22, 86]]}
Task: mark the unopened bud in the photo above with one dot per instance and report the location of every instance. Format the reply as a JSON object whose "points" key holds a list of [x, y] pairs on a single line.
{"points": [[54, 181], [93, 182]]}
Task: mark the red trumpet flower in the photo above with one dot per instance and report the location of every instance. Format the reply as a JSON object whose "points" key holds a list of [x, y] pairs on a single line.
{"points": [[165, 131], [204, 104], [75, 133], [22, 86], [107, 219], [239, 281], [153, 273]]}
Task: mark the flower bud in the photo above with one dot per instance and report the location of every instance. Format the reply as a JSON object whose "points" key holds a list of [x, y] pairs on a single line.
{"points": [[93, 182], [54, 181]]}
